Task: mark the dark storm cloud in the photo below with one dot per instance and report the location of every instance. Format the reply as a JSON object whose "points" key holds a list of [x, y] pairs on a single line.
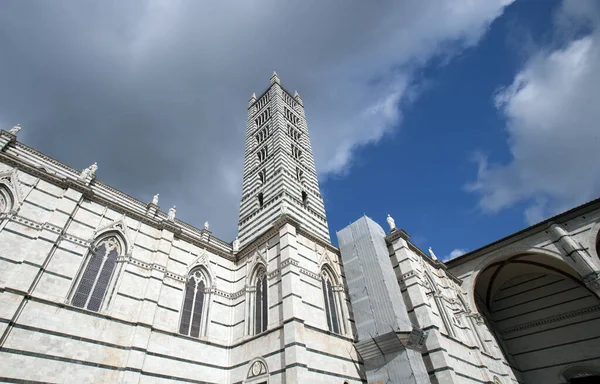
{"points": [[156, 92]]}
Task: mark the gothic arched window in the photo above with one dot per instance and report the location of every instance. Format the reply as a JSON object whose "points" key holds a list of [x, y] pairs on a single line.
{"points": [[194, 303], [98, 274], [330, 303], [261, 306], [6, 201]]}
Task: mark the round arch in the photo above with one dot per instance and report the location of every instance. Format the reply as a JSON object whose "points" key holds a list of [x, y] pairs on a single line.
{"points": [[536, 305]]}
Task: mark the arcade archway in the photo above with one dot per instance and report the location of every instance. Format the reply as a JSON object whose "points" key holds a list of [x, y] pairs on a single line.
{"points": [[543, 316]]}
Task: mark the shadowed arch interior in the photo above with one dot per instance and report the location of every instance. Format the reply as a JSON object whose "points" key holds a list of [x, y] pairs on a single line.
{"points": [[539, 311]]}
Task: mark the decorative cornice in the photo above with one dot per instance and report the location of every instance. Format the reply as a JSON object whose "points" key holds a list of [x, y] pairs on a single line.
{"points": [[89, 193], [551, 319]]}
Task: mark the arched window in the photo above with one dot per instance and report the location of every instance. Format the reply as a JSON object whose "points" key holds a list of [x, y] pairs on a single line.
{"points": [[330, 303], [194, 303], [6, 201], [261, 307], [98, 274]]}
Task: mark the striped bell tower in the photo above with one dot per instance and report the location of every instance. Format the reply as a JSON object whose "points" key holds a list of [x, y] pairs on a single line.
{"points": [[279, 168]]}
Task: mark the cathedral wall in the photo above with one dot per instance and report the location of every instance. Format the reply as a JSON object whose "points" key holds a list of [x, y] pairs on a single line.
{"points": [[542, 309], [458, 348]]}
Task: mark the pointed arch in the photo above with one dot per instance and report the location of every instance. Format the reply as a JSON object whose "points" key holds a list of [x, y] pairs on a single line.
{"points": [[97, 276], [11, 196], [196, 300], [118, 227]]}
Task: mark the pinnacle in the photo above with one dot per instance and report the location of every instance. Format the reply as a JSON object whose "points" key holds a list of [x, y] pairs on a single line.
{"points": [[274, 78]]}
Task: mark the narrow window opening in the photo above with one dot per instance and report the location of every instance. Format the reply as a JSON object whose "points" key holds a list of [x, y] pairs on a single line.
{"points": [[260, 200], [304, 198], [261, 304], [262, 177]]}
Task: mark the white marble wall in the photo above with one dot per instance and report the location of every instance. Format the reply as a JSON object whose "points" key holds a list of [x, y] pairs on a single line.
{"points": [[43, 245]]}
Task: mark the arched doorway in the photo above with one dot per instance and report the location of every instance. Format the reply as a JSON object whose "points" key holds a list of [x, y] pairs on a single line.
{"points": [[543, 316]]}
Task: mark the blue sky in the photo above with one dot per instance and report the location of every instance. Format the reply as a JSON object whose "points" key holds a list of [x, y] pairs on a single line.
{"points": [[466, 120], [419, 172]]}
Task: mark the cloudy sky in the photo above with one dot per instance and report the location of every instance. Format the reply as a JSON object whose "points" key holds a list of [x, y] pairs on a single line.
{"points": [[466, 120]]}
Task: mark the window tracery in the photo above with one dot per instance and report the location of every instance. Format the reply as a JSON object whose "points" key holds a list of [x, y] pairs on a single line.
{"points": [[330, 302], [194, 304], [98, 274]]}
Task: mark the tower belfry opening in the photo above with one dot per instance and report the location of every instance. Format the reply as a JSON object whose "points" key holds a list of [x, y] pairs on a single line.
{"points": [[278, 144]]}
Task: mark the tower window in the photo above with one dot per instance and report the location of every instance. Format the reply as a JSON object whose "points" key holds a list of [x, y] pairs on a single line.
{"points": [[296, 152], [289, 99], [304, 198], [299, 175], [262, 176], [262, 135], [263, 117], [262, 101], [293, 133], [262, 154], [291, 116], [260, 199]]}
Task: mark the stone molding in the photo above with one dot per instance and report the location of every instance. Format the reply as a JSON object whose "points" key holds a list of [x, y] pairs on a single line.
{"points": [[159, 221], [551, 319]]}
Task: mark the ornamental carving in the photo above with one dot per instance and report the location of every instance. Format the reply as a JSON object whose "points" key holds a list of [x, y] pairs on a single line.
{"points": [[257, 368]]}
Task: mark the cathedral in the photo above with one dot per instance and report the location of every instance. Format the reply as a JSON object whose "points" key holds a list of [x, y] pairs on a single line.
{"points": [[99, 287]]}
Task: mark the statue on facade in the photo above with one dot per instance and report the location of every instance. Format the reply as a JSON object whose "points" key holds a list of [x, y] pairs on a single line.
{"points": [[89, 172], [155, 199], [171, 215], [206, 225], [236, 245], [432, 254], [283, 209], [14, 130], [391, 222]]}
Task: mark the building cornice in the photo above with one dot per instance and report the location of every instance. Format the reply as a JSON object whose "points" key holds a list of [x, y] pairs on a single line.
{"points": [[96, 191], [526, 232]]}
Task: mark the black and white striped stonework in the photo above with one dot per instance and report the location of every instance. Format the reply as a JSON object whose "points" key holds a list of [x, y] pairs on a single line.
{"points": [[279, 167]]}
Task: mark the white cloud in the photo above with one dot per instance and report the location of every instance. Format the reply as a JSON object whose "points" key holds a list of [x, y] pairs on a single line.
{"points": [[455, 253], [156, 91], [552, 115]]}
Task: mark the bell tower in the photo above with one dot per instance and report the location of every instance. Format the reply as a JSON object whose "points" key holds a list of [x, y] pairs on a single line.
{"points": [[279, 168]]}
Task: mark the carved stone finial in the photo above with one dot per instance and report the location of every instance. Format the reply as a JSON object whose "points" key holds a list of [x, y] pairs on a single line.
{"points": [[391, 222], [432, 254], [155, 199], [14, 130], [236, 245], [206, 225], [171, 214]]}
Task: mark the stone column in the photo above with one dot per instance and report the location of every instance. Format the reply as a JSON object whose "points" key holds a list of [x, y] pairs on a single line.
{"points": [[293, 319]]}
